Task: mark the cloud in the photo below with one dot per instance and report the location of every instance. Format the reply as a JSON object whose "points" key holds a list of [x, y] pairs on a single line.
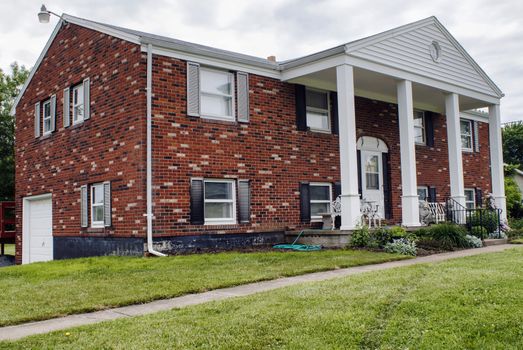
{"points": [[491, 31]]}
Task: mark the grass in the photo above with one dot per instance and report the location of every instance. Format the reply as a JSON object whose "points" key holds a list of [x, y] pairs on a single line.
{"points": [[9, 249], [46, 290], [468, 303], [517, 241]]}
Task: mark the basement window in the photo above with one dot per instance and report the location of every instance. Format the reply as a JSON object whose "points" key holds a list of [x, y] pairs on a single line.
{"points": [[78, 104], [219, 202], [318, 111]]}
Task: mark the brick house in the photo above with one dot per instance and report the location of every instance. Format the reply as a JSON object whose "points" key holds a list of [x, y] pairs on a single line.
{"points": [[128, 141]]}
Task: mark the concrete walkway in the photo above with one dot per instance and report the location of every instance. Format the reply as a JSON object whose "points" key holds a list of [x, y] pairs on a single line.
{"points": [[24, 330]]}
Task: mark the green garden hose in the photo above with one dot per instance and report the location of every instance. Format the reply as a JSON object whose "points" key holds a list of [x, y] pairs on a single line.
{"points": [[298, 247]]}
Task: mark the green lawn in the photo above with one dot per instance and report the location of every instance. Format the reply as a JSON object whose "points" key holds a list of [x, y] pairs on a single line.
{"points": [[9, 249], [45, 290], [469, 303]]}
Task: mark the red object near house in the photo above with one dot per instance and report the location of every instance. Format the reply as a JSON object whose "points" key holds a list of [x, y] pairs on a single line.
{"points": [[7, 222]]}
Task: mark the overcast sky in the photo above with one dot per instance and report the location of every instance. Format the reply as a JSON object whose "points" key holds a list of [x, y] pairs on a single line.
{"points": [[490, 30]]}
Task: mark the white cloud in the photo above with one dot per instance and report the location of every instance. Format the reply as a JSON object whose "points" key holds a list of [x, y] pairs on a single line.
{"points": [[491, 31]]}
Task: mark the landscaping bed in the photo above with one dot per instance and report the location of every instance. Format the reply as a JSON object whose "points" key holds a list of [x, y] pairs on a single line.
{"points": [[57, 288], [467, 303]]}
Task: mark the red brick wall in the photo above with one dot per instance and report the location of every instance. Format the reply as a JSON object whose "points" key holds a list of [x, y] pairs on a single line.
{"points": [[109, 146]]}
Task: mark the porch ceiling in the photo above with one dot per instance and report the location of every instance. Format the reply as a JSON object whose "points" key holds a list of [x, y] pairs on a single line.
{"points": [[381, 87]]}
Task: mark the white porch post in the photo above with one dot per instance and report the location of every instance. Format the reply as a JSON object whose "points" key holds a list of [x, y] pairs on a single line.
{"points": [[457, 187], [350, 199], [409, 197], [496, 159]]}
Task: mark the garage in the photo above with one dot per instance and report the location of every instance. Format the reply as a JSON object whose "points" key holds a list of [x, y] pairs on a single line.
{"points": [[37, 233]]}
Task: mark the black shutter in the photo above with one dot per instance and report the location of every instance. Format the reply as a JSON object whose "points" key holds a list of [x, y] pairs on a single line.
{"points": [[305, 202], [432, 195], [301, 108], [475, 126], [334, 112], [479, 198], [387, 193], [336, 190], [197, 215], [244, 200], [360, 190], [429, 129]]}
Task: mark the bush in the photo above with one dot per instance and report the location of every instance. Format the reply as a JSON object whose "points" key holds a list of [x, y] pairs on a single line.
{"points": [[515, 233], [421, 232], [381, 236], [497, 235], [516, 224], [397, 232], [401, 246], [473, 241], [487, 219], [448, 235], [479, 231], [360, 238]]}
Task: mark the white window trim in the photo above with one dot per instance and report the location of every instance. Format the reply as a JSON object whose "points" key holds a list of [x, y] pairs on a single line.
{"points": [[77, 87], [467, 149], [219, 221], [473, 201], [317, 218], [423, 128], [426, 189], [96, 224], [319, 110], [46, 132], [233, 98]]}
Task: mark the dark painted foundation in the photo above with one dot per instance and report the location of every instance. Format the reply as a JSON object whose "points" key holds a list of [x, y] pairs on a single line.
{"points": [[80, 247], [211, 242]]}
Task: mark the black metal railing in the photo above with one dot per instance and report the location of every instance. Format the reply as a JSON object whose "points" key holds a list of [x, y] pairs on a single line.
{"points": [[479, 221]]}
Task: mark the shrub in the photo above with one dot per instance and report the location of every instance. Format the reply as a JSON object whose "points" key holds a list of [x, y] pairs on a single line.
{"points": [[401, 246], [515, 233], [397, 232], [473, 241], [497, 235], [448, 235], [381, 236], [479, 231], [421, 232], [516, 224], [360, 238], [487, 219]]}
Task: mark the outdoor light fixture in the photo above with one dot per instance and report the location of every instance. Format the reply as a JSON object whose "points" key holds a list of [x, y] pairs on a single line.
{"points": [[45, 14]]}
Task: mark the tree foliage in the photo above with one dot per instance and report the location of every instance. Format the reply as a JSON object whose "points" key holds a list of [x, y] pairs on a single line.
{"points": [[513, 143], [10, 85]]}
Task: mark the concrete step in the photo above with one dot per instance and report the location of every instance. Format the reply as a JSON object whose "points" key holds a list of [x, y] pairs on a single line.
{"points": [[489, 242]]}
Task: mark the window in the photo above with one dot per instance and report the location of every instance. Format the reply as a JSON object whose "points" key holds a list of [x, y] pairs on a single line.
{"points": [[466, 135], [419, 127], [372, 172], [470, 198], [219, 202], [97, 205], [78, 104], [217, 94], [46, 111], [320, 197], [318, 113], [423, 193]]}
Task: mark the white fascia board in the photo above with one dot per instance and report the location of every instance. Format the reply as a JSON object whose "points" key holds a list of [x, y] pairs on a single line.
{"points": [[135, 39], [214, 62], [401, 74], [315, 66], [476, 116]]}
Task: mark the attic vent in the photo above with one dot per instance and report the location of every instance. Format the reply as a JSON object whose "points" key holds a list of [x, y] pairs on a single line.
{"points": [[435, 51]]}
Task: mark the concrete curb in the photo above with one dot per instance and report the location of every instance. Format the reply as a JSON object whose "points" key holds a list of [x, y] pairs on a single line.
{"points": [[40, 327]]}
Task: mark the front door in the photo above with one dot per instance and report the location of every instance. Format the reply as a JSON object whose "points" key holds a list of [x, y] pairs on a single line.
{"points": [[372, 179]]}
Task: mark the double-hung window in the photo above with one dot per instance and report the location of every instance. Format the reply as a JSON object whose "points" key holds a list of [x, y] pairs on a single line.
{"points": [[97, 205], [466, 135], [219, 201], [423, 193], [217, 94], [320, 198], [372, 172], [78, 104], [46, 116], [470, 198], [419, 127], [318, 111]]}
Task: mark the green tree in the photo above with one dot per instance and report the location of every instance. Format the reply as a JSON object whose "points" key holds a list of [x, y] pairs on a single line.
{"points": [[513, 143], [10, 85]]}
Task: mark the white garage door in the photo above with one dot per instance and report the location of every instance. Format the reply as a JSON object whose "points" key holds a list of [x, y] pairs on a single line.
{"points": [[38, 233]]}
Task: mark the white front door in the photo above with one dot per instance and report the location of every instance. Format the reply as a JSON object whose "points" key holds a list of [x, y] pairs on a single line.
{"points": [[372, 179], [37, 240]]}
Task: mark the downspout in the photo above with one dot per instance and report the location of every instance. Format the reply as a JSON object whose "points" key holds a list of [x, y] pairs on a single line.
{"points": [[149, 175]]}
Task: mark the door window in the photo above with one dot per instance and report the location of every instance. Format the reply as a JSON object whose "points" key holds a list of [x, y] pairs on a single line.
{"points": [[372, 172]]}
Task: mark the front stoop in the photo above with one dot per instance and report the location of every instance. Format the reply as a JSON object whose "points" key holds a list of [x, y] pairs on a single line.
{"points": [[325, 238], [489, 242]]}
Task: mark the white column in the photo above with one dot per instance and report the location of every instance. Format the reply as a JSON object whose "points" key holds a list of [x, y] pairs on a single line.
{"points": [[496, 159], [409, 186], [457, 187], [350, 199]]}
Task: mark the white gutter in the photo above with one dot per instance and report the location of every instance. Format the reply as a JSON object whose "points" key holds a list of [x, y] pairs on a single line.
{"points": [[149, 214]]}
